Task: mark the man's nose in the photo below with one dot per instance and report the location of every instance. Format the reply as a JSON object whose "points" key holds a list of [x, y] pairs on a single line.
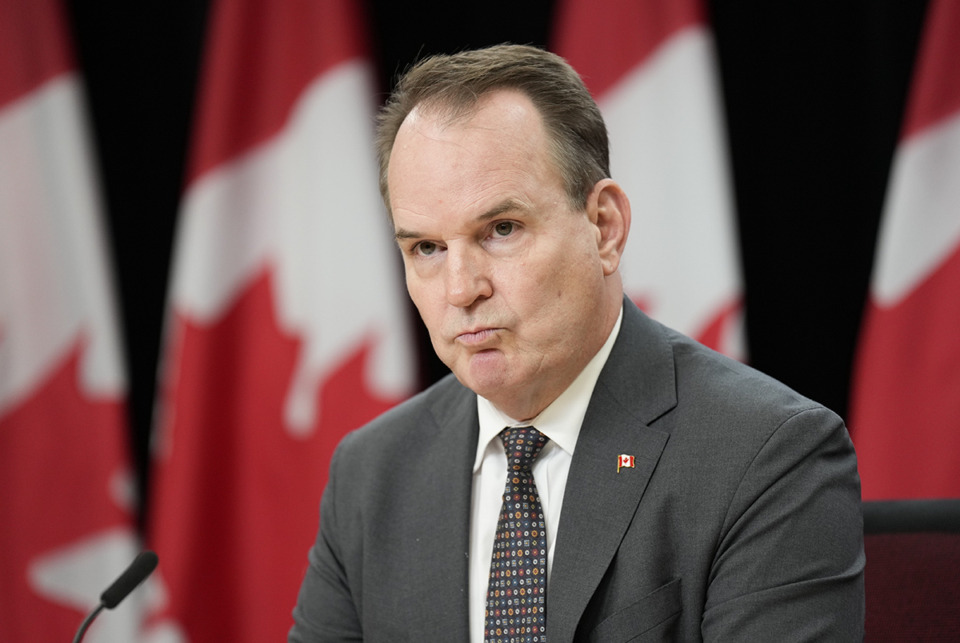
{"points": [[466, 279]]}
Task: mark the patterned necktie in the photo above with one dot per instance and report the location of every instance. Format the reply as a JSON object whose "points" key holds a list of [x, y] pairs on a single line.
{"points": [[516, 596]]}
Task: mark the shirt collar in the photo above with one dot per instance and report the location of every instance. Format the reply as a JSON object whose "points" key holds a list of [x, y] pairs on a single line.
{"points": [[561, 420]]}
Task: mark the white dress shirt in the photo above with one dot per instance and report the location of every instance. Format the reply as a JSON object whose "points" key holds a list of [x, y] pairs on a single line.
{"points": [[560, 422]]}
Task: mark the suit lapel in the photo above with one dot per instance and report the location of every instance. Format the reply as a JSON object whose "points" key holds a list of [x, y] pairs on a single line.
{"points": [[441, 556], [635, 387]]}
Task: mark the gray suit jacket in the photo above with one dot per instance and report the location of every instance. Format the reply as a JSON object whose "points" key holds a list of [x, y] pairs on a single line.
{"points": [[740, 521]]}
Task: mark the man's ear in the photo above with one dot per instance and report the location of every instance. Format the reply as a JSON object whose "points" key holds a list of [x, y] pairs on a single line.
{"points": [[609, 210]]}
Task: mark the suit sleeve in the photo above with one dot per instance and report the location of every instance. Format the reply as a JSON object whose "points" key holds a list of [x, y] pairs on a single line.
{"points": [[789, 565], [325, 610]]}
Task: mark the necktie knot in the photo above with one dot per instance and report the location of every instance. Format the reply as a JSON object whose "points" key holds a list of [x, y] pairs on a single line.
{"points": [[522, 445]]}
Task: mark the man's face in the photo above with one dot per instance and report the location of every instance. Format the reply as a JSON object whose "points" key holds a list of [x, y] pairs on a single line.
{"points": [[504, 272]]}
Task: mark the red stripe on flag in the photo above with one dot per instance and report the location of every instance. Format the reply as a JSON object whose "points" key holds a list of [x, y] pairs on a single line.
{"points": [[65, 484], [650, 65], [936, 85], [33, 46], [905, 399], [260, 57], [626, 33], [905, 417]]}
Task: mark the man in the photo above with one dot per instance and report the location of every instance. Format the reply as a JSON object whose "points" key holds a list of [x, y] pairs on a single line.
{"points": [[684, 496]]}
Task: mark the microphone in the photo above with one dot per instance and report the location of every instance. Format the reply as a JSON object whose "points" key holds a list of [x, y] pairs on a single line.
{"points": [[141, 567]]}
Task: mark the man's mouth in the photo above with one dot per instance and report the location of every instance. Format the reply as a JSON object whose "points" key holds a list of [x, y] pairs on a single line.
{"points": [[477, 337]]}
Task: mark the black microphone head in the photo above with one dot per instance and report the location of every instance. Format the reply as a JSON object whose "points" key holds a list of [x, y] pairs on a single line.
{"points": [[136, 573]]}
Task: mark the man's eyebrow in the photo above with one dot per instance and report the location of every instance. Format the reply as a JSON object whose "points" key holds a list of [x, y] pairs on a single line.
{"points": [[402, 234], [508, 205]]}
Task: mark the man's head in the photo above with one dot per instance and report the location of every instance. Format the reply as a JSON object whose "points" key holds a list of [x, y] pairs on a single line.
{"points": [[516, 282], [455, 84]]}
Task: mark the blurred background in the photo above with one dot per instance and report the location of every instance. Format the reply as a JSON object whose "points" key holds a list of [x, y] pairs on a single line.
{"points": [[236, 191], [813, 95]]}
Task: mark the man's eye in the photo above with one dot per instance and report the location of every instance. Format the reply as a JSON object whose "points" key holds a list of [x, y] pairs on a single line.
{"points": [[425, 248], [504, 228]]}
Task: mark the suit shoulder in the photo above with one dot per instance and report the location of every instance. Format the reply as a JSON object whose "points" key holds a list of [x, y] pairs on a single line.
{"points": [[708, 378], [656, 373]]}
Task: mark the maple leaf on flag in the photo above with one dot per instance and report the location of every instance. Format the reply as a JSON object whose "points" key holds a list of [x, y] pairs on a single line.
{"points": [[287, 322], [243, 521], [65, 449]]}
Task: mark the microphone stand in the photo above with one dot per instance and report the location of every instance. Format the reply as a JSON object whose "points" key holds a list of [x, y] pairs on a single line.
{"points": [[139, 569], [86, 623]]}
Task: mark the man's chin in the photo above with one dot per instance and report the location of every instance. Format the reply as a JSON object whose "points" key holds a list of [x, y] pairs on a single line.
{"points": [[485, 373]]}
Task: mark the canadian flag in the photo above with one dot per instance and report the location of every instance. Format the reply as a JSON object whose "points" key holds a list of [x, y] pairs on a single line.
{"points": [[66, 490], [905, 402], [650, 66], [287, 320]]}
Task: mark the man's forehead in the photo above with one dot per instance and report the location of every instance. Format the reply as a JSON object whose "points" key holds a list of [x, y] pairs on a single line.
{"points": [[503, 131], [470, 164]]}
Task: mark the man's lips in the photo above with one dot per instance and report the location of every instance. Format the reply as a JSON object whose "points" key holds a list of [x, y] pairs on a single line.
{"points": [[477, 337]]}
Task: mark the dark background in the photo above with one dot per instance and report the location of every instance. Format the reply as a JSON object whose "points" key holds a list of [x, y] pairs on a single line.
{"points": [[814, 94]]}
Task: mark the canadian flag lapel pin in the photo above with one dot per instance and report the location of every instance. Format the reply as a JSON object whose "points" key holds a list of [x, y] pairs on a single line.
{"points": [[624, 461]]}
